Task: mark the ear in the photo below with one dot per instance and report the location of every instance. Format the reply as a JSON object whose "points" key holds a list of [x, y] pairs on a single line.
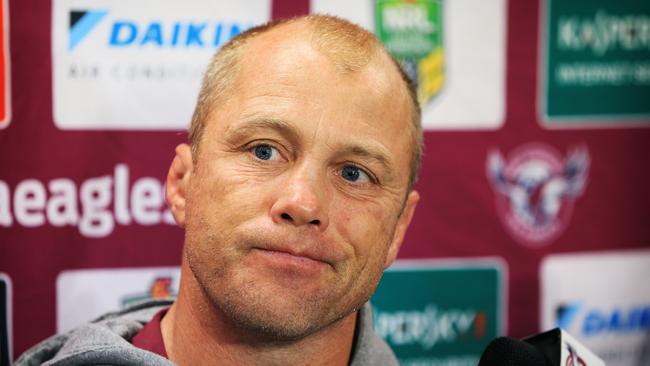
{"points": [[177, 184], [403, 223]]}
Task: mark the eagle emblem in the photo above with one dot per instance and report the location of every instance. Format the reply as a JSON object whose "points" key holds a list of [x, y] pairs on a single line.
{"points": [[535, 189]]}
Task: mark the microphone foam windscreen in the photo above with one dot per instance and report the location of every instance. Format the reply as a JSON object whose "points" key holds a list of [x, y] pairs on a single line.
{"points": [[506, 351]]}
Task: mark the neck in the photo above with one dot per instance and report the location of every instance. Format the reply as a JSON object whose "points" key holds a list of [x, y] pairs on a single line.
{"points": [[195, 332]]}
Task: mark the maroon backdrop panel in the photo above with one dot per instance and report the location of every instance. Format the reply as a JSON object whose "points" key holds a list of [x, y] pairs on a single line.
{"points": [[457, 217]]}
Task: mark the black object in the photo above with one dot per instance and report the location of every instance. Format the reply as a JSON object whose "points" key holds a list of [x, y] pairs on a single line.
{"points": [[549, 342], [4, 325], [507, 351]]}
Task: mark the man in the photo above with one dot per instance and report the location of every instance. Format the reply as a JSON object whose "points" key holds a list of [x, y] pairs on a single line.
{"points": [[295, 195]]}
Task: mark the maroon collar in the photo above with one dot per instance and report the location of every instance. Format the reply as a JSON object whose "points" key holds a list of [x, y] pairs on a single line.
{"points": [[150, 336]]}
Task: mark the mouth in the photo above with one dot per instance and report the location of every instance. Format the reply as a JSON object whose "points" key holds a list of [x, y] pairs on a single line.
{"points": [[287, 260]]}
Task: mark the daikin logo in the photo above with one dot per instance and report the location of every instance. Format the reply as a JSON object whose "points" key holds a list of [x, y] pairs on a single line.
{"points": [[565, 314], [137, 65], [81, 23], [157, 34], [598, 321]]}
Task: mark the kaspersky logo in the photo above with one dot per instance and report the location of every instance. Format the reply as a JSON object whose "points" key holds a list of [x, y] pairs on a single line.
{"points": [[430, 326], [125, 32]]}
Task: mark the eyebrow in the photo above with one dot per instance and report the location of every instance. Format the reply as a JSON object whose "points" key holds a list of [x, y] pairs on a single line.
{"points": [[369, 152], [248, 126]]}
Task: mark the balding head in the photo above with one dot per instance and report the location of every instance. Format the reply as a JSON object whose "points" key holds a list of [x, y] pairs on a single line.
{"points": [[298, 192], [349, 47]]}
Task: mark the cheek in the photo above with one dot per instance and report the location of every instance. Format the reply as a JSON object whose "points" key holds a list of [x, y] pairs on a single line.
{"points": [[215, 207], [366, 227], [367, 230], [228, 191]]}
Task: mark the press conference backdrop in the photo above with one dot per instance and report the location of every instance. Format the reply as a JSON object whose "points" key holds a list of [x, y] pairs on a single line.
{"points": [[535, 187]]}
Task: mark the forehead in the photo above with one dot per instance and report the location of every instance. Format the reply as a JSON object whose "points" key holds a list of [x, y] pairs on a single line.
{"points": [[295, 51], [283, 76]]}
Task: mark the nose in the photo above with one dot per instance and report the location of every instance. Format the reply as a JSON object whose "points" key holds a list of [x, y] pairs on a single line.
{"points": [[302, 201]]}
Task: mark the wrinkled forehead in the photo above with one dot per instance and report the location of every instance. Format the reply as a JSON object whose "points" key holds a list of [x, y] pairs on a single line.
{"points": [[291, 65]]}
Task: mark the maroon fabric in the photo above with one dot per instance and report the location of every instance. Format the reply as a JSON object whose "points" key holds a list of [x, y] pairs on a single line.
{"points": [[289, 8], [150, 337]]}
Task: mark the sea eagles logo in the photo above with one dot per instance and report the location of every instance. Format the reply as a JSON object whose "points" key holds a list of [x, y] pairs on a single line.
{"points": [[574, 359], [536, 188]]}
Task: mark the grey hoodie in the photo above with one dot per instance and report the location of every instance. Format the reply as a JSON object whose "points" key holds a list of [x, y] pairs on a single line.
{"points": [[106, 341]]}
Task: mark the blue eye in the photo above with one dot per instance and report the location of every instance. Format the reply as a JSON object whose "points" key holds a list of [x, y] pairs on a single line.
{"points": [[264, 152], [353, 174]]}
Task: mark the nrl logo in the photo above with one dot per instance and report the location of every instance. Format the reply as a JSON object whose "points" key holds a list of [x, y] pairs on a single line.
{"points": [[412, 31], [536, 188]]}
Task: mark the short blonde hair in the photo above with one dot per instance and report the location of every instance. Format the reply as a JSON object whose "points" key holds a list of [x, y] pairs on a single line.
{"points": [[347, 45]]}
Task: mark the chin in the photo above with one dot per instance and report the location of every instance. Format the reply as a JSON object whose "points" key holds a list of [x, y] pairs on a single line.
{"points": [[275, 315], [276, 310]]}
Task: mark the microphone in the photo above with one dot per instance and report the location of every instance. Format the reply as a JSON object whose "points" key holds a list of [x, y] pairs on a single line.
{"points": [[552, 348], [512, 352]]}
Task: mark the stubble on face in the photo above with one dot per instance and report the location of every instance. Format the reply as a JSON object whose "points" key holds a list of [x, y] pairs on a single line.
{"points": [[275, 306], [258, 304]]}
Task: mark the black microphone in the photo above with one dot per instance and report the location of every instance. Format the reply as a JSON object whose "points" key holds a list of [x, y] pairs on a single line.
{"points": [[507, 351], [552, 348]]}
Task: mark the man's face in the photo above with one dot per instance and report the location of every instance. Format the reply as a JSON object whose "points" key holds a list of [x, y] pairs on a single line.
{"points": [[294, 206]]}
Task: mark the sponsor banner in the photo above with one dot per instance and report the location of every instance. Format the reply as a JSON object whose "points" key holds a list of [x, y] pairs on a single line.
{"points": [[535, 189], [413, 32], [454, 49], [83, 295], [5, 320], [5, 89], [602, 299], [138, 65], [596, 63], [95, 206], [441, 312]]}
